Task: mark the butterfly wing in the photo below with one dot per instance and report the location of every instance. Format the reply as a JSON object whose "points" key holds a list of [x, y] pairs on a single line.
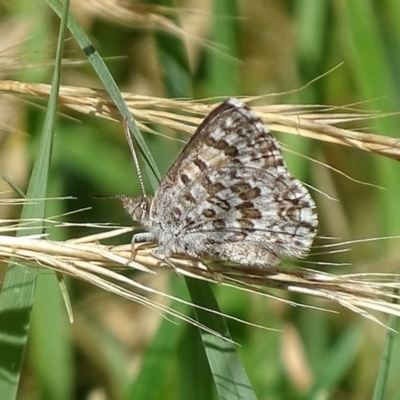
{"points": [[231, 135], [229, 194], [271, 214]]}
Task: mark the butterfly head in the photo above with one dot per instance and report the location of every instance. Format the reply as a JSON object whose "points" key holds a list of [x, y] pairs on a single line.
{"points": [[137, 207]]}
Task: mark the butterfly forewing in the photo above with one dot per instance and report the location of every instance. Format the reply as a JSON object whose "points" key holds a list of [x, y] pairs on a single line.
{"points": [[231, 135], [229, 195]]}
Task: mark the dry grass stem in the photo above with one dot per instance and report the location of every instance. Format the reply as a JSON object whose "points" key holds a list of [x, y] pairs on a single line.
{"points": [[88, 259], [316, 122], [140, 15], [149, 17]]}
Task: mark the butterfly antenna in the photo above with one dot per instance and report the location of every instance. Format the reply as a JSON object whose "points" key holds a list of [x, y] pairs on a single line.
{"points": [[134, 155]]}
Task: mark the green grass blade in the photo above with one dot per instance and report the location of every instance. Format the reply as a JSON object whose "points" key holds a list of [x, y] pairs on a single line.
{"points": [[50, 334], [194, 383], [172, 57], [369, 61], [373, 68], [383, 373], [50, 328], [222, 66], [311, 20], [159, 355], [337, 363], [17, 296], [108, 81], [229, 374]]}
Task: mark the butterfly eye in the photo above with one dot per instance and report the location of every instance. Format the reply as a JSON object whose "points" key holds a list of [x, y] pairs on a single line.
{"points": [[141, 210]]}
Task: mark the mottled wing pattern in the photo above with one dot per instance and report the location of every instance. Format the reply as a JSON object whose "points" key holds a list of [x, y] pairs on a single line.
{"points": [[269, 215], [229, 195], [231, 135]]}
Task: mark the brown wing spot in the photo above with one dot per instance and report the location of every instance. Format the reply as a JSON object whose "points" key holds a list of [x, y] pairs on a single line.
{"points": [[209, 213], [303, 204], [189, 222], [251, 213], [221, 203], [291, 213], [189, 198], [216, 144], [185, 179], [240, 187], [209, 141], [233, 174], [215, 188], [201, 165], [245, 223], [273, 161], [244, 205], [207, 181], [251, 194], [219, 224], [231, 151], [221, 144], [242, 132], [238, 237]]}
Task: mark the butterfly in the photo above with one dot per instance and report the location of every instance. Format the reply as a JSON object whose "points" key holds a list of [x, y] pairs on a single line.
{"points": [[228, 196]]}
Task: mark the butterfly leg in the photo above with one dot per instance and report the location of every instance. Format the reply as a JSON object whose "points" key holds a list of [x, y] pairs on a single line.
{"points": [[163, 255], [139, 238]]}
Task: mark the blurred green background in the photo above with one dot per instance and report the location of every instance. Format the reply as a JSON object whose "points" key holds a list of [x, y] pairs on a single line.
{"points": [[233, 48]]}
